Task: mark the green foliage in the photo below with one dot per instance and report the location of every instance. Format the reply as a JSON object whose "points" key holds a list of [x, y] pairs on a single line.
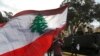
{"points": [[97, 11], [81, 12], [3, 19], [39, 24]]}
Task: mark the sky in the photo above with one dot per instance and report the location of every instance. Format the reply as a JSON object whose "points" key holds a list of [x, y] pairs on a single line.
{"points": [[95, 23], [97, 1], [20, 5]]}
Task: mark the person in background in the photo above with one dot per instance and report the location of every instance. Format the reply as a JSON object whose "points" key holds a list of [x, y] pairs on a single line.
{"points": [[73, 47], [57, 47]]}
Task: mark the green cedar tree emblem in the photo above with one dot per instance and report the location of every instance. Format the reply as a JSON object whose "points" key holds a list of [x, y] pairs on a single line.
{"points": [[39, 24]]}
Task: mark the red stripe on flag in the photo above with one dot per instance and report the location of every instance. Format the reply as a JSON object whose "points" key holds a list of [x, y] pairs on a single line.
{"points": [[37, 48], [2, 24]]}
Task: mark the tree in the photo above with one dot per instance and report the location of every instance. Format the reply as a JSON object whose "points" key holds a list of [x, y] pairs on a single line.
{"points": [[80, 12], [2, 19], [97, 11], [6, 18], [8, 14], [39, 24]]}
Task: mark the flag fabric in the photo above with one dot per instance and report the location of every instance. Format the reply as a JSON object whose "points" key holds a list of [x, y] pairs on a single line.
{"points": [[16, 38], [2, 24]]}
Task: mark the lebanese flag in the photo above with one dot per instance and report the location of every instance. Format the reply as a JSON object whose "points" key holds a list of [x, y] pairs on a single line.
{"points": [[16, 38]]}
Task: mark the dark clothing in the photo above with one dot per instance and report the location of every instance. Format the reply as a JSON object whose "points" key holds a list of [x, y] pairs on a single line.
{"points": [[73, 49], [57, 47]]}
